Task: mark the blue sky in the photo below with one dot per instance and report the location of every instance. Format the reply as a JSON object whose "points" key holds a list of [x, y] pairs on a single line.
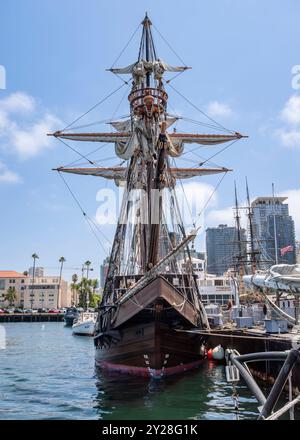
{"points": [[55, 54]]}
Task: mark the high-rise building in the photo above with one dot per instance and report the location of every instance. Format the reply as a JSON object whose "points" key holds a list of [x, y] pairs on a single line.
{"points": [[38, 272], [271, 214], [223, 249]]}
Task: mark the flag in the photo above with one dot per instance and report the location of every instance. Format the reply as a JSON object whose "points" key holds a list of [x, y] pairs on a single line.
{"points": [[286, 249]]}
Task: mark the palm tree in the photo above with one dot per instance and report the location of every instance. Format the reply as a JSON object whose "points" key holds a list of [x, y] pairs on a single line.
{"points": [[94, 298], [86, 292], [95, 285], [11, 296], [87, 264], [35, 257], [61, 260], [74, 288]]}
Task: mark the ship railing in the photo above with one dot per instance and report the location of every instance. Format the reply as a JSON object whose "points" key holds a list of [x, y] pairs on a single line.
{"points": [[136, 98], [237, 365], [288, 406]]}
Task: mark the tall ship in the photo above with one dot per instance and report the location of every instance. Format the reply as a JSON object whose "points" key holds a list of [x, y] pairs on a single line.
{"points": [[150, 302]]}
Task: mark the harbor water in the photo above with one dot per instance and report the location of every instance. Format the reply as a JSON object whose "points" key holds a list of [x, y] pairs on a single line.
{"points": [[47, 373]]}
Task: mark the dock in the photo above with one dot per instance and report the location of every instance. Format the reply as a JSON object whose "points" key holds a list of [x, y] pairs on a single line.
{"points": [[31, 317]]}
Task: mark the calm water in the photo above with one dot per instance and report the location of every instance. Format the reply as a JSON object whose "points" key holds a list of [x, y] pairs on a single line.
{"points": [[47, 373]]}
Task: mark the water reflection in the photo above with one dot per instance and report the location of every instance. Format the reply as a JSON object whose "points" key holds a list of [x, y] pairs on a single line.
{"points": [[202, 394]]}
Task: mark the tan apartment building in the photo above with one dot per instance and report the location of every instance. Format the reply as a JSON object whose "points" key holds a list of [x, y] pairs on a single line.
{"points": [[42, 293]]}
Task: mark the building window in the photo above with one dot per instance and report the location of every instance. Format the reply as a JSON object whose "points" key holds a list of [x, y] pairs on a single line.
{"points": [[218, 282], [12, 281], [2, 284]]}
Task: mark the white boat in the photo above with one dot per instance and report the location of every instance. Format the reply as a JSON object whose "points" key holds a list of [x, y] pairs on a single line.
{"points": [[85, 324]]}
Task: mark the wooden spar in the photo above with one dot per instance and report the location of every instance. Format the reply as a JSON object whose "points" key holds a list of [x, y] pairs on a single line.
{"points": [[204, 139], [153, 271], [119, 173]]}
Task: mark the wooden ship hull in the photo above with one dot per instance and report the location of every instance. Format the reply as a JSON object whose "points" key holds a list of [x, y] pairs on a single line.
{"points": [[144, 341]]}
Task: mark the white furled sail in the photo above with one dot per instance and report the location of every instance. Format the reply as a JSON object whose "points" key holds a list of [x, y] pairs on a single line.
{"points": [[127, 143], [142, 67], [118, 174]]}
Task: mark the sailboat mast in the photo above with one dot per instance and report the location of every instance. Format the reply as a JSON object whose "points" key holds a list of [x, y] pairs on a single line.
{"points": [[238, 223], [240, 263], [146, 24], [274, 222], [253, 252]]}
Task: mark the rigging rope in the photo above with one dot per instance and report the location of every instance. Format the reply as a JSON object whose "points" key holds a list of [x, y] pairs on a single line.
{"points": [[199, 110], [88, 154], [219, 152], [101, 146], [94, 106], [200, 123], [184, 194], [126, 45], [76, 151], [213, 192], [103, 121], [169, 45], [87, 218]]}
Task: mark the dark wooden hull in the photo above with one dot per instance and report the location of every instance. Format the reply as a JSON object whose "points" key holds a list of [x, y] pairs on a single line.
{"points": [[146, 342], [151, 350]]}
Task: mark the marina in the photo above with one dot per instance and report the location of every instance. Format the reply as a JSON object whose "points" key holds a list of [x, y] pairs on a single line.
{"points": [[70, 388], [31, 317]]}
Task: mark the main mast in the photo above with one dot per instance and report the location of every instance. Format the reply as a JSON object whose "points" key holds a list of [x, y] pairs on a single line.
{"points": [[143, 140]]}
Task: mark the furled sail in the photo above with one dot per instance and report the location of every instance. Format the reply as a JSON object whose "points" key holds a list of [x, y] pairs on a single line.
{"points": [[118, 174], [176, 138], [142, 67], [128, 142], [126, 125]]}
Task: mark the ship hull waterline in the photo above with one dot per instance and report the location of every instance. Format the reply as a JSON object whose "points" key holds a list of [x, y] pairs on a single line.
{"points": [[151, 350], [147, 343]]}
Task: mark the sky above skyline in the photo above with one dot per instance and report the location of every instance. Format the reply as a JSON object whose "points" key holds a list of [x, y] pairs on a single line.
{"points": [[243, 57]]}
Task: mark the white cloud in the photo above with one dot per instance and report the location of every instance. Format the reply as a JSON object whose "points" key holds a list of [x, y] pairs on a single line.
{"points": [[31, 141], [289, 138], [291, 110], [294, 206], [219, 109], [24, 125], [7, 176], [217, 217], [289, 135]]}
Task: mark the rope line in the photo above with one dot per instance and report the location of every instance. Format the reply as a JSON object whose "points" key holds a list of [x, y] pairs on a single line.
{"points": [[125, 47], [199, 110], [87, 218], [213, 192], [88, 154], [96, 105], [169, 45], [77, 152]]}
